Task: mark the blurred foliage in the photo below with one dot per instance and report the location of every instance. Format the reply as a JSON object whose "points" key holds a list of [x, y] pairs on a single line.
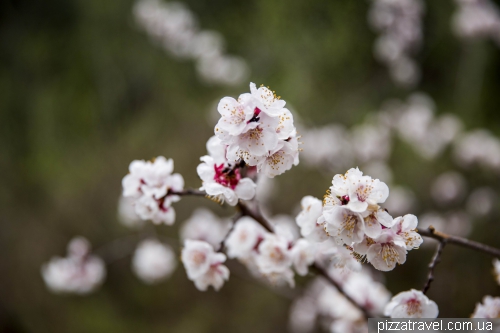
{"points": [[84, 92]]}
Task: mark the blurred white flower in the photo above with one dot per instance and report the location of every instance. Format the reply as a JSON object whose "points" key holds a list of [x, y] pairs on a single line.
{"points": [[205, 226], [174, 27], [481, 201], [401, 201], [302, 256], [126, 213], [153, 261], [411, 304], [244, 238], [203, 265], [449, 187], [490, 308], [79, 273]]}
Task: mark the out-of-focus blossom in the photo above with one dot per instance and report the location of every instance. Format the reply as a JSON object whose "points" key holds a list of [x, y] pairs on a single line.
{"points": [[449, 187], [371, 295], [490, 308], [411, 304], [401, 201], [174, 27], [153, 261], [244, 238], [126, 213], [307, 220], [203, 265], [481, 201], [400, 28], [78, 273], [477, 19], [274, 259], [205, 226], [302, 317], [329, 147], [453, 222], [478, 147], [302, 256], [379, 170], [371, 142]]}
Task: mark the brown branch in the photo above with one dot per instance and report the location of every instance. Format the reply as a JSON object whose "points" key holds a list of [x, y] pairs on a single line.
{"points": [[188, 191], [441, 236], [257, 216], [432, 265], [321, 271]]}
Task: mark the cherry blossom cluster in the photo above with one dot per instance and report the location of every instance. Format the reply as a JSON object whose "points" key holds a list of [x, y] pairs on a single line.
{"points": [[258, 129], [174, 27], [79, 273], [203, 235], [351, 215], [270, 255], [477, 19], [255, 135], [399, 23], [151, 187]]}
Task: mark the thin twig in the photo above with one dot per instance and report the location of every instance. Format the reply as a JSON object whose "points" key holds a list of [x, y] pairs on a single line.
{"points": [[257, 216], [321, 271], [432, 265], [440, 236], [189, 191]]}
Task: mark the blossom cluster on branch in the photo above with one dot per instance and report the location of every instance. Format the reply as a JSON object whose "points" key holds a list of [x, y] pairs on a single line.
{"points": [[256, 137]]}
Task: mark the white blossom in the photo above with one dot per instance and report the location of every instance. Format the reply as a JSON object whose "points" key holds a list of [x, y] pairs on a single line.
{"points": [[359, 191], [406, 228], [153, 261], [307, 220], [449, 187], [274, 256], [205, 226], [174, 27], [244, 238], [150, 185], [224, 181], [127, 214], [258, 130], [79, 272], [303, 255], [411, 304], [385, 251], [371, 295], [490, 308], [203, 265]]}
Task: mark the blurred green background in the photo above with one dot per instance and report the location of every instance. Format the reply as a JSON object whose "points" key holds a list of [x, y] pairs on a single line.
{"points": [[83, 92]]}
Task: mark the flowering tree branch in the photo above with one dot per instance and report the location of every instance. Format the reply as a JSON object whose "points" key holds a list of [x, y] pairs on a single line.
{"points": [[245, 210], [435, 260], [257, 216], [441, 236]]}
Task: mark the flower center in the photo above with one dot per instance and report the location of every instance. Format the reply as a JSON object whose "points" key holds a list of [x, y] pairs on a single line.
{"points": [[363, 191], [256, 113], [226, 176], [413, 307]]}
